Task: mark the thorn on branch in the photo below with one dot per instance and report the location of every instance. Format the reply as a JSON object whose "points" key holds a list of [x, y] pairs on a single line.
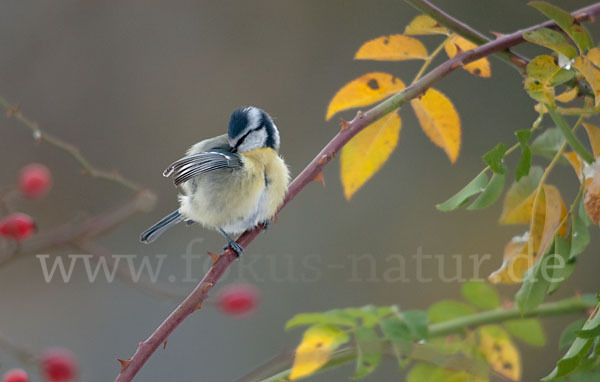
{"points": [[345, 125], [497, 34], [198, 307], [165, 344], [319, 178], [214, 257], [455, 65], [124, 363]]}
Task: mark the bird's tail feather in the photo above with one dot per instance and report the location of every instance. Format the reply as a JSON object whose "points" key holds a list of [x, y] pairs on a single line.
{"points": [[152, 233]]}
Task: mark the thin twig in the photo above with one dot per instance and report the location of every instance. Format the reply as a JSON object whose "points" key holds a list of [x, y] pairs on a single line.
{"points": [[194, 301], [13, 111]]}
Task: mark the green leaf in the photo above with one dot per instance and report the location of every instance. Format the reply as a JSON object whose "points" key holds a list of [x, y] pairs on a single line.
{"points": [[395, 329], [368, 314], [582, 213], [561, 123], [447, 310], [525, 162], [528, 330], [536, 282], [523, 136], [577, 351], [568, 335], [474, 187], [562, 76], [490, 194], [589, 332], [398, 333], [567, 23], [480, 294], [548, 143], [494, 158], [332, 317], [562, 248], [369, 349], [562, 18], [417, 323], [580, 237], [552, 40]]}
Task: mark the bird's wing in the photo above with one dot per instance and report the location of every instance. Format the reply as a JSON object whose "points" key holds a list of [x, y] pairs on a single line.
{"points": [[193, 165]]}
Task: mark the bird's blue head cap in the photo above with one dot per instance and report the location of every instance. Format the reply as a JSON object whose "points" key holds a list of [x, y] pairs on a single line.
{"points": [[251, 128]]}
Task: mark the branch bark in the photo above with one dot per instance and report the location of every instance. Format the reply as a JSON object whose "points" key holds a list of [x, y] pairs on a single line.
{"points": [[131, 366]]}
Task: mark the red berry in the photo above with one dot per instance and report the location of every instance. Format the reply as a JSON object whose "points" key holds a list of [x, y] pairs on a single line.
{"points": [[58, 365], [237, 299], [17, 226], [35, 180], [15, 375]]}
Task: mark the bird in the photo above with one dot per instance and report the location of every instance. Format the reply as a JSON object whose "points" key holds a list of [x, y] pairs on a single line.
{"points": [[230, 183]]}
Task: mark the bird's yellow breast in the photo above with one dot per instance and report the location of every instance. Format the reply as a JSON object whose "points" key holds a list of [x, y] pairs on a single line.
{"points": [[236, 200]]}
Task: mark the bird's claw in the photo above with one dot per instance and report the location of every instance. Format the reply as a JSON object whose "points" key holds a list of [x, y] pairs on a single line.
{"points": [[235, 247], [266, 225]]}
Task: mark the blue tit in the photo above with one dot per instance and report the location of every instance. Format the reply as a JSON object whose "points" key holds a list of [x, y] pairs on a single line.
{"points": [[230, 183]]}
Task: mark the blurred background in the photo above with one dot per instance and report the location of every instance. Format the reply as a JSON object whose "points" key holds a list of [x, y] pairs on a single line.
{"points": [[133, 84]]}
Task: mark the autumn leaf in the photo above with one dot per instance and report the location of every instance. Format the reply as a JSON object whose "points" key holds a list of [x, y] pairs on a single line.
{"points": [[318, 343], [363, 91], [366, 152], [500, 352], [575, 162], [395, 47], [593, 133], [567, 96], [520, 254], [515, 262], [457, 44], [591, 75], [424, 25], [518, 201], [440, 121]]}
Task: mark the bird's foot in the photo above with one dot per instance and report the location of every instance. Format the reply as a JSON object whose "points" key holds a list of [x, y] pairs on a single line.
{"points": [[235, 246], [266, 225]]}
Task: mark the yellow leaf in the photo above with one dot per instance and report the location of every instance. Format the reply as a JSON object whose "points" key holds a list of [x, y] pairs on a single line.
{"points": [[366, 152], [365, 90], [395, 47], [555, 210], [502, 355], [520, 253], [479, 68], [515, 262], [567, 96], [593, 133], [517, 211], [440, 121], [575, 162], [314, 351], [594, 56], [422, 25], [591, 75]]}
